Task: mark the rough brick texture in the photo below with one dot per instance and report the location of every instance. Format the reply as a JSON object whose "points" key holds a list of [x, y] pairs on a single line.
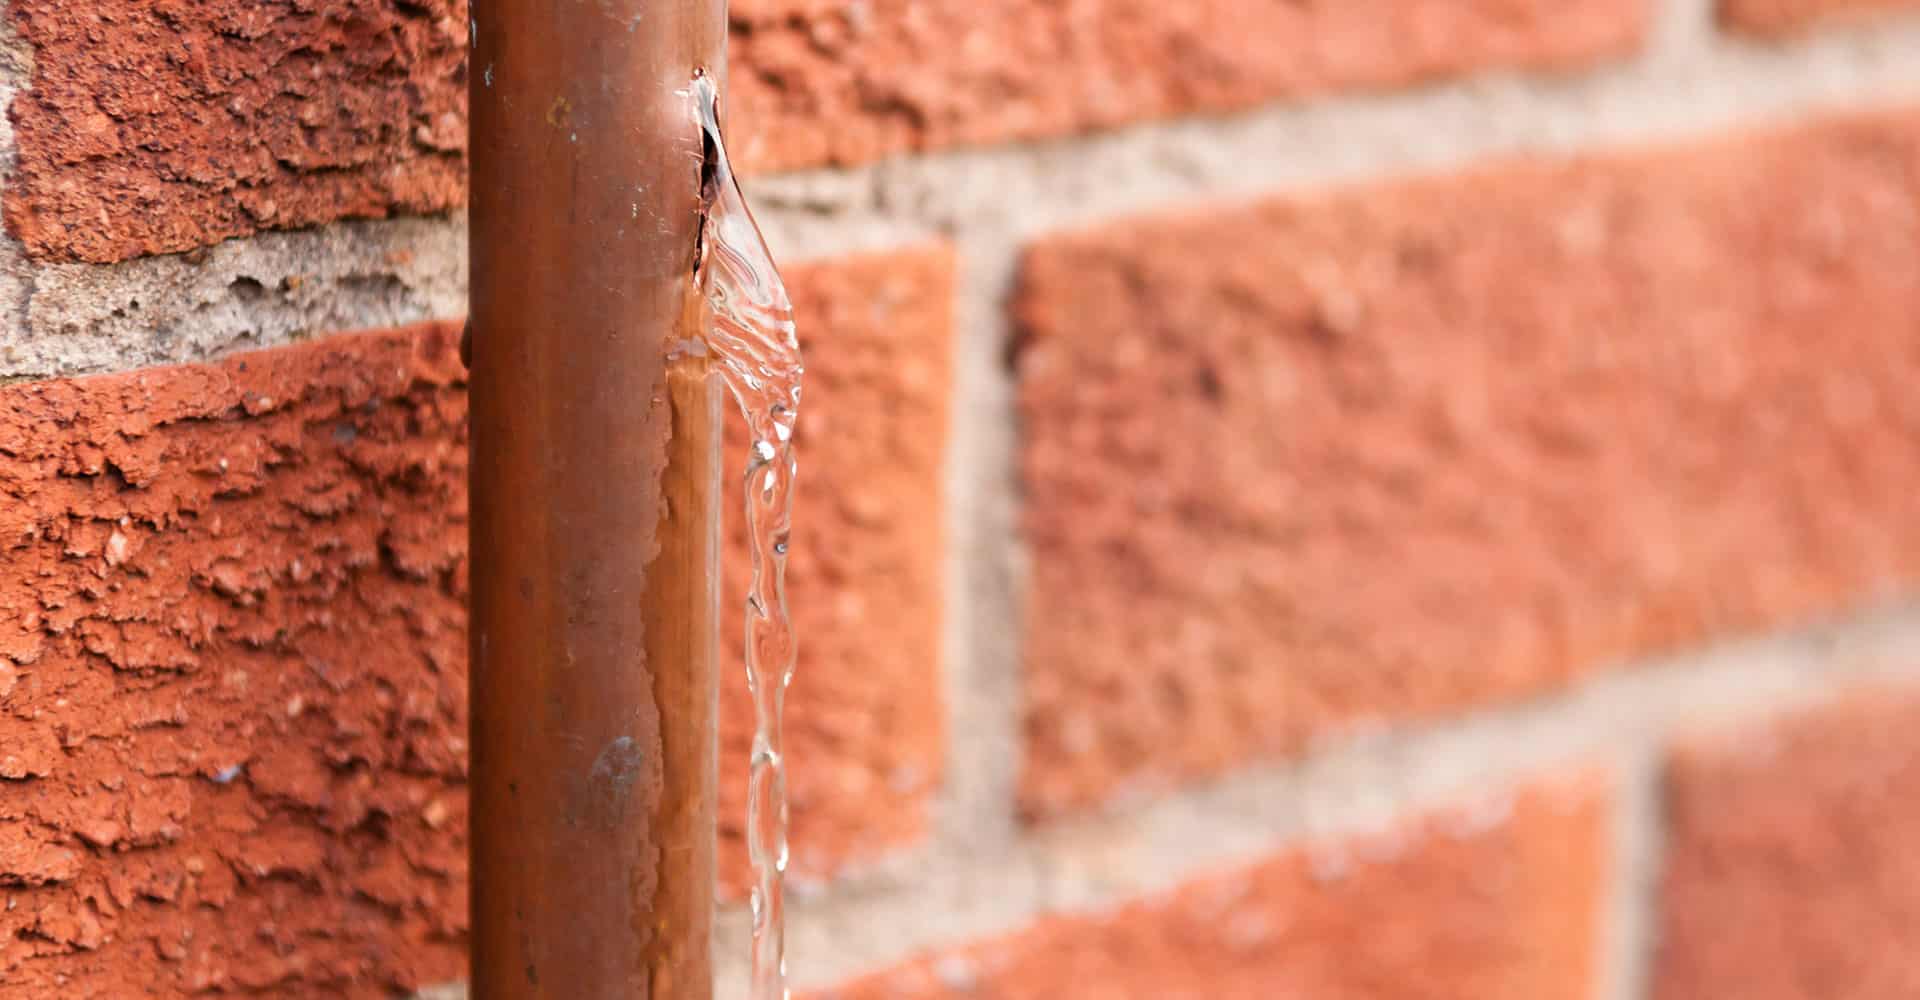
{"points": [[1790, 862], [830, 81], [233, 699], [153, 127], [865, 714], [233, 649], [159, 126], [1781, 17], [1446, 911], [1396, 452]]}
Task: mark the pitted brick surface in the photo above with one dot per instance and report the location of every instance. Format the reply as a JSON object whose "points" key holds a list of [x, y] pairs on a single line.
{"points": [[234, 693], [822, 81], [152, 127], [1397, 452]]}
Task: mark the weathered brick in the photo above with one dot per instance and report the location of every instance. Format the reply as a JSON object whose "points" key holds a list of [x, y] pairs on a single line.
{"points": [[1790, 868], [1396, 452], [1507, 911], [233, 624], [234, 598], [153, 127], [865, 715], [1783, 17], [150, 128], [830, 81]]}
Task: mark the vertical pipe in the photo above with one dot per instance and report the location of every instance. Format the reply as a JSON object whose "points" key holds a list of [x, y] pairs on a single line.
{"points": [[594, 479]]}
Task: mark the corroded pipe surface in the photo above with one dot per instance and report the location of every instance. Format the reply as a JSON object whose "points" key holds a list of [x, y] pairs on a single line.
{"points": [[594, 481]]}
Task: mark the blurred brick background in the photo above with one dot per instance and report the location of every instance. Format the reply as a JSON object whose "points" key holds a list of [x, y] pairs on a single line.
{"points": [[1339, 499]]}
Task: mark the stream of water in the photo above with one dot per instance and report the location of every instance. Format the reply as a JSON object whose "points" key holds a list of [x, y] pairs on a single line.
{"points": [[754, 342]]}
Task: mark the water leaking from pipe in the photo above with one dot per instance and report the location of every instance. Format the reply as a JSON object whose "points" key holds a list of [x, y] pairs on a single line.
{"points": [[753, 341]]}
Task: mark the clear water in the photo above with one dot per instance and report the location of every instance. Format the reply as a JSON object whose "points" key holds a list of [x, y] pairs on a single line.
{"points": [[758, 356]]}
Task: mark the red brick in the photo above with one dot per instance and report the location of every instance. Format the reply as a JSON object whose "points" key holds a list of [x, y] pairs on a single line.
{"points": [[828, 81], [1790, 862], [151, 127], [157, 127], [1508, 912], [1396, 452], [234, 596], [1784, 17], [232, 612], [865, 715]]}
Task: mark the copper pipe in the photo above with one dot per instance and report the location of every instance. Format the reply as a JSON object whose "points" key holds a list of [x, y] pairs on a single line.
{"points": [[595, 475]]}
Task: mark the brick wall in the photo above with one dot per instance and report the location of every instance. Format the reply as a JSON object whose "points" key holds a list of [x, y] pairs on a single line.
{"points": [[1399, 498]]}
